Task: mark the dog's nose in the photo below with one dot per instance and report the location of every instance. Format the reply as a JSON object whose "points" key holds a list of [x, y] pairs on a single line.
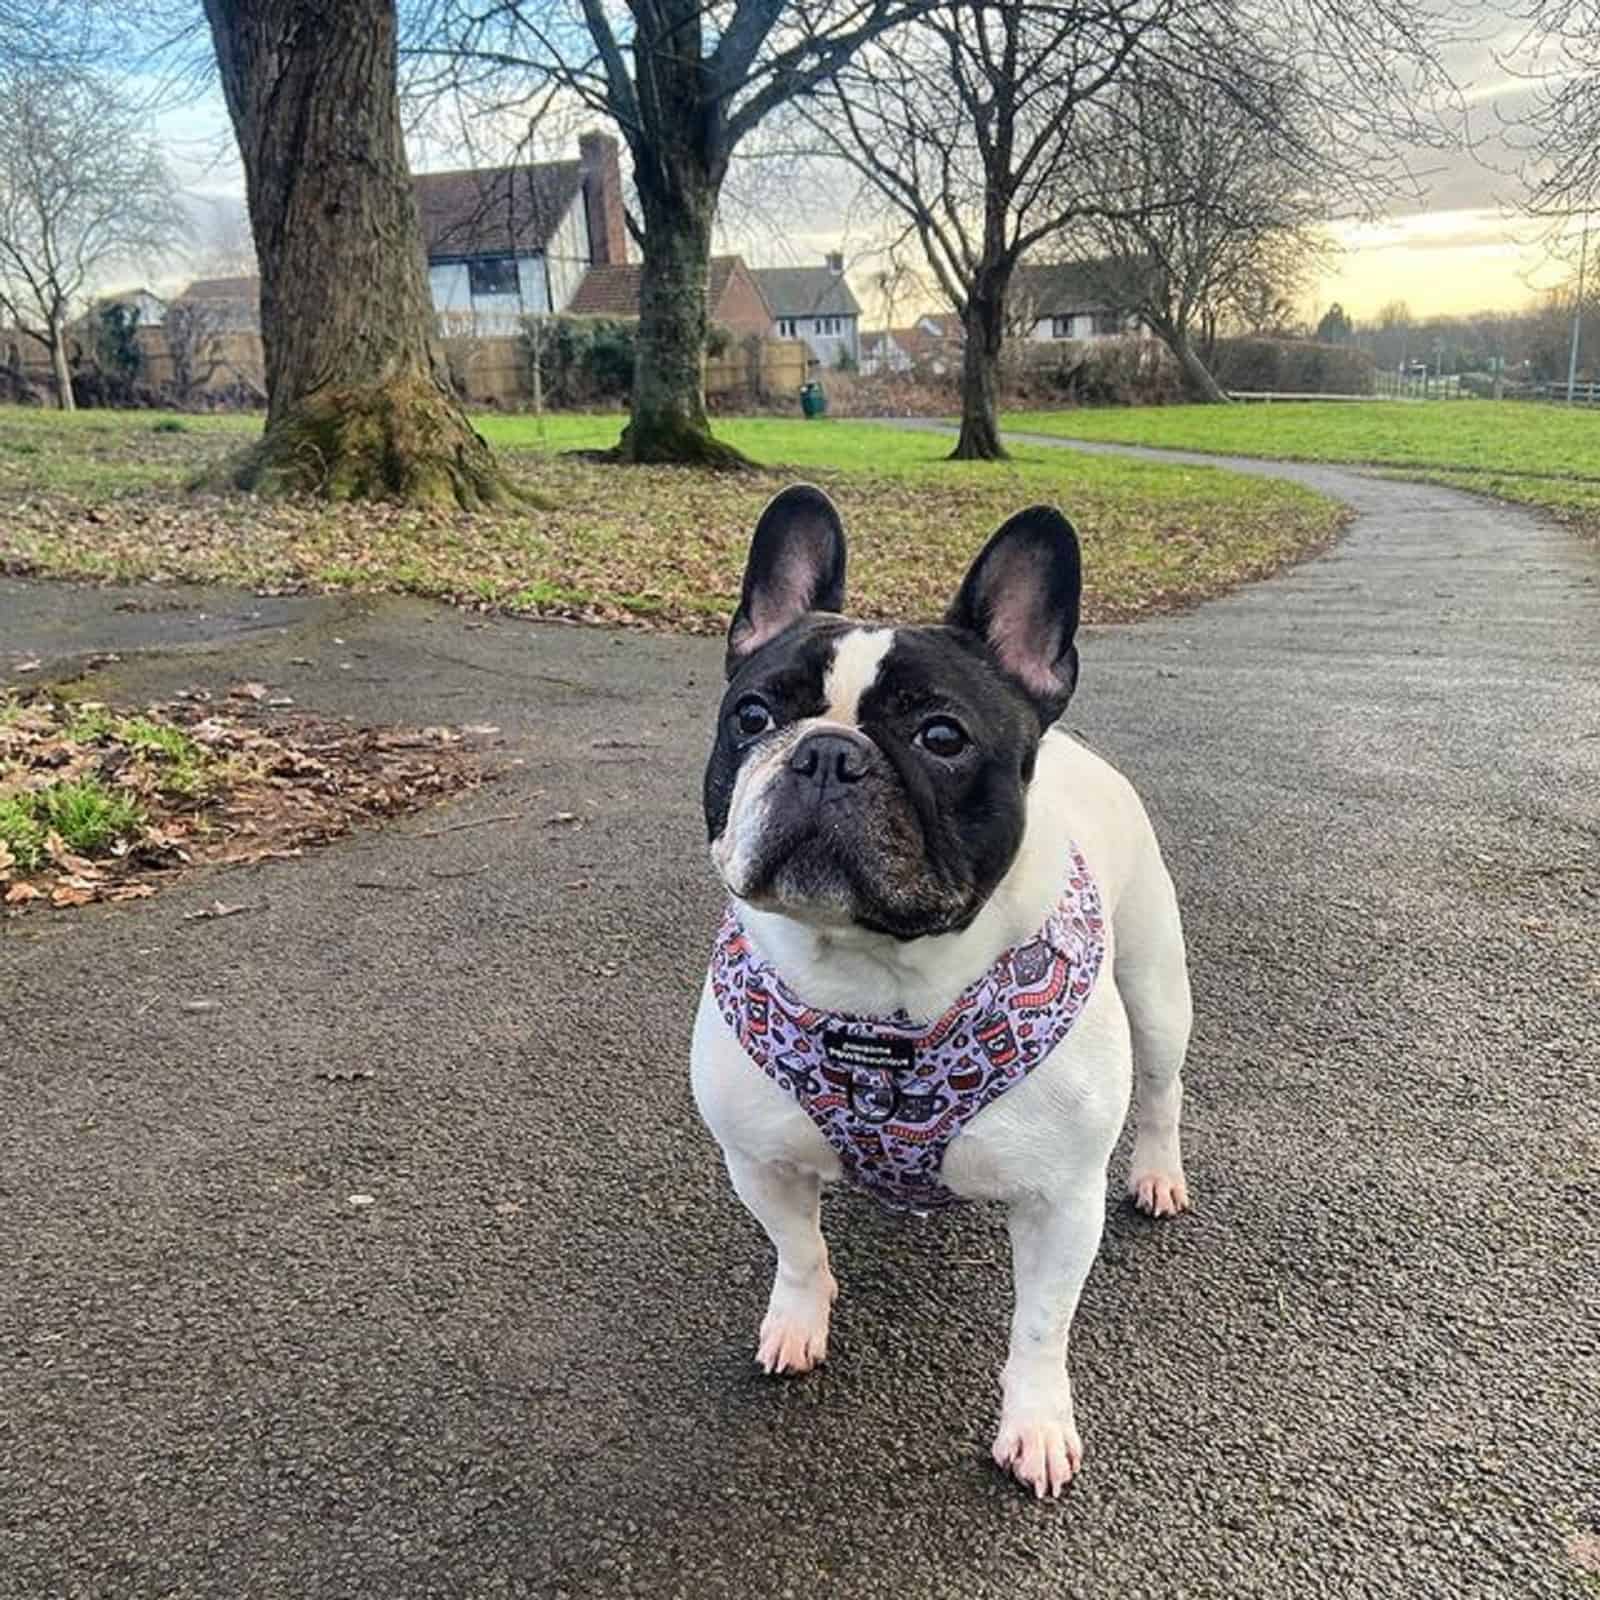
{"points": [[826, 758]]}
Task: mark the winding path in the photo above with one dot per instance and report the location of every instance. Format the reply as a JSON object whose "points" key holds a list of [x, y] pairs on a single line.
{"points": [[1366, 1365]]}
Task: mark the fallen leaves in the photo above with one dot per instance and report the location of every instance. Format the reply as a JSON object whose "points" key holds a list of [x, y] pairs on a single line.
{"points": [[647, 547], [263, 784]]}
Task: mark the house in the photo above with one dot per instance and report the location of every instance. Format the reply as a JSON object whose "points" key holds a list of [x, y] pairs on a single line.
{"points": [[508, 242], [814, 304], [733, 297], [1068, 300], [502, 242], [932, 344], [225, 305], [881, 352]]}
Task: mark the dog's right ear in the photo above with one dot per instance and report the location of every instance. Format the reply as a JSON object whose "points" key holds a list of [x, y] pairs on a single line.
{"points": [[796, 565]]}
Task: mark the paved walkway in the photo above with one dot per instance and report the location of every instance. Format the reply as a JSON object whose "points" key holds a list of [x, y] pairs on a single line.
{"points": [[1366, 1365]]}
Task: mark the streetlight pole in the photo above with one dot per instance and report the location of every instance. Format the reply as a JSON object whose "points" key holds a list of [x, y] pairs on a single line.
{"points": [[1577, 312]]}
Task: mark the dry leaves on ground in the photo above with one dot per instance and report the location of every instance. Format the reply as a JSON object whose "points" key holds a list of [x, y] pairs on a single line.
{"points": [[193, 782]]}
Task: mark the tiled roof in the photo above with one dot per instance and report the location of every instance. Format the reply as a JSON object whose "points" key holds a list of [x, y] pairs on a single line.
{"points": [[1053, 289], [214, 289], [504, 211], [806, 292], [614, 291]]}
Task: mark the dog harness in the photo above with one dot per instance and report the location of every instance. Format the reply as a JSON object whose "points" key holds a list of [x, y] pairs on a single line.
{"points": [[889, 1093]]}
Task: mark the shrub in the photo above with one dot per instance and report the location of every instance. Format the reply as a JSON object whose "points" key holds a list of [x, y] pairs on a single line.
{"points": [[1292, 366], [583, 361], [1103, 372]]}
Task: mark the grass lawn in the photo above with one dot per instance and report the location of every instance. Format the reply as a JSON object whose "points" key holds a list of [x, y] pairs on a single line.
{"points": [[1544, 455], [100, 495]]}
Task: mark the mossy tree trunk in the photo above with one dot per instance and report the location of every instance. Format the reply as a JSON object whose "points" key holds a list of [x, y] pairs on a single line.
{"points": [[668, 421], [678, 171], [359, 402]]}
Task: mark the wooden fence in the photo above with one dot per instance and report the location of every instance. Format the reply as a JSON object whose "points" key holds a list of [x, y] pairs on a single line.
{"points": [[491, 370], [1583, 394]]}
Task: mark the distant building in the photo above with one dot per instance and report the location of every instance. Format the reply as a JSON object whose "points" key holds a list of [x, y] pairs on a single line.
{"points": [[932, 344], [1068, 300], [814, 304], [229, 305], [504, 243], [733, 296]]}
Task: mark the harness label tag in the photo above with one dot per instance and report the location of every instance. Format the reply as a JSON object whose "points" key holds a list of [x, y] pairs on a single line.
{"points": [[854, 1053]]}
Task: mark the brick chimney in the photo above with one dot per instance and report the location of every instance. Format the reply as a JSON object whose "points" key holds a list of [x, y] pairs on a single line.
{"points": [[602, 199], [836, 263]]}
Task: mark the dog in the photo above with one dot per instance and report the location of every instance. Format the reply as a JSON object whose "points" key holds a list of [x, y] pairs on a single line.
{"points": [[951, 949]]}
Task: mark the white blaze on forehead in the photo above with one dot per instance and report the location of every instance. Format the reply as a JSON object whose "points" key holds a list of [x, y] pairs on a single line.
{"points": [[856, 659]]}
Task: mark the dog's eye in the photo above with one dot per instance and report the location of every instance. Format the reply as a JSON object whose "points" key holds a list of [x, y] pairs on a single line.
{"points": [[942, 737], [751, 718]]}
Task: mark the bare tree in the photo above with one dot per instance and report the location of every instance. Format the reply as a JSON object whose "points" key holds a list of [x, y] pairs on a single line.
{"points": [[359, 402], [1561, 131], [966, 128], [200, 340], [971, 128], [685, 84], [81, 188], [1208, 196]]}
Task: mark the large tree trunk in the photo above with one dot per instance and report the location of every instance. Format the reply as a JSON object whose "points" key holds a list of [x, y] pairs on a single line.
{"points": [[59, 369], [359, 403], [680, 157], [984, 326], [668, 422]]}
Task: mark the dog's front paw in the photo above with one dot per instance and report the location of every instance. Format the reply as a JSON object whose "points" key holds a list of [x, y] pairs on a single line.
{"points": [[1158, 1191], [1039, 1446], [794, 1332]]}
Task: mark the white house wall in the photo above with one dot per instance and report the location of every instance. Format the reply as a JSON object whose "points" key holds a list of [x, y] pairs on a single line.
{"points": [[568, 254], [450, 287], [450, 284], [530, 285], [825, 347], [1082, 329]]}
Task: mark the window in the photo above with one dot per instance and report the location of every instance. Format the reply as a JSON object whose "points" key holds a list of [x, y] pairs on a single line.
{"points": [[786, 327], [493, 275], [1061, 327]]}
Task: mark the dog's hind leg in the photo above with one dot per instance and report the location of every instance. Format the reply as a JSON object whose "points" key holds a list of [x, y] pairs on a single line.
{"points": [[1152, 976], [786, 1201]]}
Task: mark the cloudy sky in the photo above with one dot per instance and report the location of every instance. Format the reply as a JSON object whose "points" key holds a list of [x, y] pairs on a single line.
{"points": [[1458, 247]]}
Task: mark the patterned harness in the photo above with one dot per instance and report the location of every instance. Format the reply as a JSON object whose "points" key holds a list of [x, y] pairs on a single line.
{"points": [[888, 1093]]}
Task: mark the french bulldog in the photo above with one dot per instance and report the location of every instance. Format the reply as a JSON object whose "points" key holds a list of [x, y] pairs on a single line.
{"points": [[952, 949]]}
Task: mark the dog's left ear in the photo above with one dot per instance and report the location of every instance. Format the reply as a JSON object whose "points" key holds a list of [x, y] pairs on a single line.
{"points": [[796, 565], [1021, 598]]}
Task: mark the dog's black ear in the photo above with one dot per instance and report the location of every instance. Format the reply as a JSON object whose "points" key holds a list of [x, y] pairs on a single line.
{"points": [[1021, 598], [796, 565]]}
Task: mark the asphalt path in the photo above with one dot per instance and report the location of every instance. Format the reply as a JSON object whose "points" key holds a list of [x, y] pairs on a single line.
{"points": [[520, 1363]]}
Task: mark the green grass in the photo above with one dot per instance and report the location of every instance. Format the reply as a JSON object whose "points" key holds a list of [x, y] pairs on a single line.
{"points": [[165, 757], [1542, 455], [102, 496], [88, 816]]}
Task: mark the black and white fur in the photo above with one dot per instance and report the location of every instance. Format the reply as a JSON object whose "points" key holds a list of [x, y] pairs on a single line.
{"points": [[890, 807]]}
